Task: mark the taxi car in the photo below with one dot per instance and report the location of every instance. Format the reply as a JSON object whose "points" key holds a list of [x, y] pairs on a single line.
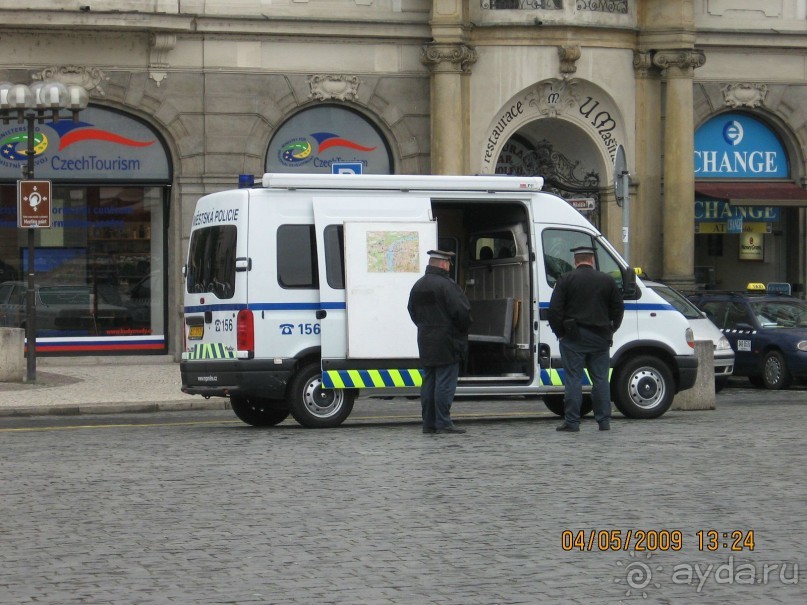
{"points": [[768, 333], [702, 328]]}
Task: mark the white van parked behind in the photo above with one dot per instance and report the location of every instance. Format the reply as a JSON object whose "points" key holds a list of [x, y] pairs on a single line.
{"points": [[296, 293]]}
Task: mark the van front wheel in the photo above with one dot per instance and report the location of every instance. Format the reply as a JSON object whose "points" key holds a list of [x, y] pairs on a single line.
{"points": [[314, 406], [644, 387]]}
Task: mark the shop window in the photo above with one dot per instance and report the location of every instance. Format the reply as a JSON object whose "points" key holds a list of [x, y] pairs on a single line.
{"points": [[97, 269]]}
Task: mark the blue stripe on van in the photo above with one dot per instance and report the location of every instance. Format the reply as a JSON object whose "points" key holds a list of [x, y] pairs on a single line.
{"points": [[633, 306], [265, 307]]}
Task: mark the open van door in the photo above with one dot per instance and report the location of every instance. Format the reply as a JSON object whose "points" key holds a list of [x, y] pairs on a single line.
{"points": [[370, 253]]}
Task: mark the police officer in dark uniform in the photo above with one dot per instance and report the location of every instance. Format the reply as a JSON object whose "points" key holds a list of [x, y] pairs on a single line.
{"points": [[585, 310], [442, 314]]}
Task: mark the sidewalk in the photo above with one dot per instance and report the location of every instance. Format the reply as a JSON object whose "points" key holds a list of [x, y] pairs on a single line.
{"points": [[102, 385]]}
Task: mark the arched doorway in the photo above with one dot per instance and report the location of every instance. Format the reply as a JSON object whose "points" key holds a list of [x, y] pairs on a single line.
{"points": [[539, 149]]}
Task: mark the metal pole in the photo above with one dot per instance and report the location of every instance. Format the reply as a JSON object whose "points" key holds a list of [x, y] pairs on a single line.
{"points": [[626, 213], [30, 322]]}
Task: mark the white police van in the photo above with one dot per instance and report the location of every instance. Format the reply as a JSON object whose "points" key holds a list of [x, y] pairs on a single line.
{"points": [[296, 294]]}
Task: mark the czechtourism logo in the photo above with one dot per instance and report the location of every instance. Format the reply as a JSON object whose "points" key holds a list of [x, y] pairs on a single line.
{"points": [[14, 146], [301, 150]]}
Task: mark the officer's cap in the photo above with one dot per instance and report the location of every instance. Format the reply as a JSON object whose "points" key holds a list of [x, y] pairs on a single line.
{"points": [[583, 250], [441, 254]]}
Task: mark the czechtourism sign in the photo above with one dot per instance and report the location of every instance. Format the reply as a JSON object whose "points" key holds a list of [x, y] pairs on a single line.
{"points": [[103, 145]]}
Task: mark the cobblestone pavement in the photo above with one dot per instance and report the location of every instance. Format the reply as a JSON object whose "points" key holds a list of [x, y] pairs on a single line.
{"points": [[216, 512]]}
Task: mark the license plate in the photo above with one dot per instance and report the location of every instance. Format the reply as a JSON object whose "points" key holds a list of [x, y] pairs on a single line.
{"points": [[196, 332]]}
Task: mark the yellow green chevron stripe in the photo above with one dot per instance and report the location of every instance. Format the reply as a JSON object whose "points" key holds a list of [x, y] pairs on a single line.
{"points": [[214, 350], [367, 379], [555, 378]]}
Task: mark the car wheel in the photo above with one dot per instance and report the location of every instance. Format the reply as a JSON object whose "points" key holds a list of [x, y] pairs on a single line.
{"points": [[644, 387], [258, 411], [774, 372], [314, 406], [720, 383], [555, 404]]}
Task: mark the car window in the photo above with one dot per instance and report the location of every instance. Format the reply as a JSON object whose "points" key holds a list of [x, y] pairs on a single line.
{"points": [[737, 313], [678, 300], [716, 311], [780, 313]]}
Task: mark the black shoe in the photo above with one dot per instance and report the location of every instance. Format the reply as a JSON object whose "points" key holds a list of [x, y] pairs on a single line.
{"points": [[605, 425], [568, 428], [451, 429], [428, 431]]}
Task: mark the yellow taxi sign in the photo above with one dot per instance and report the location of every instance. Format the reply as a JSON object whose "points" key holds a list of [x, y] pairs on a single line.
{"points": [[755, 287]]}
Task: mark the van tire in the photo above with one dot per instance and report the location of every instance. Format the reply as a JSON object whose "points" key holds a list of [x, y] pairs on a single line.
{"points": [[555, 405], [315, 407], [644, 387], [259, 411]]}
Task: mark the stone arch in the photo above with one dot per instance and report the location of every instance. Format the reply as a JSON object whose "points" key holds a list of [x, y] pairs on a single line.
{"points": [[376, 99], [584, 104]]}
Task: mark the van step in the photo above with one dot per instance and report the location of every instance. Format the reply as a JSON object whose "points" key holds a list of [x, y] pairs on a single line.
{"points": [[493, 378]]}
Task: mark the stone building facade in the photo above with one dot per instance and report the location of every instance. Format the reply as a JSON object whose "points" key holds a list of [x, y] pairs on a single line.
{"points": [[186, 95]]}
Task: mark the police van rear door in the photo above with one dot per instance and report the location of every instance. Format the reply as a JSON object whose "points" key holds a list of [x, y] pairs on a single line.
{"points": [[371, 250], [216, 276]]}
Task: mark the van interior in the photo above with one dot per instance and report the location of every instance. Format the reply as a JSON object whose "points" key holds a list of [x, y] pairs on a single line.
{"points": [[493, 250]]}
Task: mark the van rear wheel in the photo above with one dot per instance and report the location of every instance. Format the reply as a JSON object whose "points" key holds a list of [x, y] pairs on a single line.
{"points": [[314, 406], [259, 411]]}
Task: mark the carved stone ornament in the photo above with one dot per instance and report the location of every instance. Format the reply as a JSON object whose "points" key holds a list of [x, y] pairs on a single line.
{"points": [[554, 98], [685, 59], [340, 87], [161, 45], [642, 63], [89, 78], [448, 57], [744, 94], [569, 55]]}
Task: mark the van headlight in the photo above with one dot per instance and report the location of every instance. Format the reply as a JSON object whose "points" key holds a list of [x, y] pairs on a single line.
{"points": [[724, 344], [802, 346]]}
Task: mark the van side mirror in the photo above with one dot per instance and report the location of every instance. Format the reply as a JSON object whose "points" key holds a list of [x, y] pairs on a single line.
{"points": [[629, 289]]}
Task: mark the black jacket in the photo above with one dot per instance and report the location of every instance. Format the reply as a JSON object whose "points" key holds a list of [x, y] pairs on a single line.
{"points": [[590, 297], [442, 314]]}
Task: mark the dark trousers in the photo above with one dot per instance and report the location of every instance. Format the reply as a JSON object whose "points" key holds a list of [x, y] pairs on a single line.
{"points": [[590, 351], [437, 395]]}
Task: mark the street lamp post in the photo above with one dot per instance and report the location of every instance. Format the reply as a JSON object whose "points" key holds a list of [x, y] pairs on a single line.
{"points": [[29, 105]]}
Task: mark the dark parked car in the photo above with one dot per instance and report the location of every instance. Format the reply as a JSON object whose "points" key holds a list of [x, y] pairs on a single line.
{"points": [[63, 309], [768, 333]]}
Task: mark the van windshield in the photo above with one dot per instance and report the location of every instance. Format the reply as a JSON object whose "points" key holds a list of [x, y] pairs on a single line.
{"points": [[211, 261]]}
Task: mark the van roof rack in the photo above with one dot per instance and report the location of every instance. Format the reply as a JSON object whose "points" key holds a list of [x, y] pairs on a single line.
{"points": [[402, 182]]}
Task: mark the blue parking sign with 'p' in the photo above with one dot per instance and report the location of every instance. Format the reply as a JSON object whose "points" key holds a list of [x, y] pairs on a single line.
{"points": [[346, 168]]}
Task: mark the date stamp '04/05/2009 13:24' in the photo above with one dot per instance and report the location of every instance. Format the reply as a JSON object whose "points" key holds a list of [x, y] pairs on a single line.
{"points": [[656, 540]]}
